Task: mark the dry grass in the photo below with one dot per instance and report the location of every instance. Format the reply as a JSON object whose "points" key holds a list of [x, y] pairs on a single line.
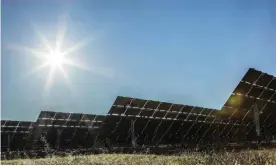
{"points": [[250, 157]]}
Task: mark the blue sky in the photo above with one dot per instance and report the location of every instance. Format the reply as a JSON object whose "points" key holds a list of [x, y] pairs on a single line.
{"points": [[190, 52]]}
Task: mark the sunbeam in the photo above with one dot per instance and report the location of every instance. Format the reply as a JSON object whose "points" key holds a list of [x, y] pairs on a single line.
{"points": [[54, 58]]}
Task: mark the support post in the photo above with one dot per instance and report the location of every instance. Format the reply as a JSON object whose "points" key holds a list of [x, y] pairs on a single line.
{"points": [[257, 122], [9, 141], [109, 144], [266, 134], [58, 139], [218, 138], [133, 134], [94, 141]]}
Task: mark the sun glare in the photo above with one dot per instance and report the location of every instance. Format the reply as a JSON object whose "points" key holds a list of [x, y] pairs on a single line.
{"points": [[55, 59], [55, 56]]}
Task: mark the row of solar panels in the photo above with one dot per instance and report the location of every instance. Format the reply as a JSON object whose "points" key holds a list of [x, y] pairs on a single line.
{"points": [[53, 119], [163, 122], [158, 131], [73, 130], [16, 126], [235, 118]]}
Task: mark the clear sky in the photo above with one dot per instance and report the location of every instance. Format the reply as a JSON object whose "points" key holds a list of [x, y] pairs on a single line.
{"points": [[190, 52]]}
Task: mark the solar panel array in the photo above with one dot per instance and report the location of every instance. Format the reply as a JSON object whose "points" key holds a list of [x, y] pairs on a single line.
{"points": [[67, 130], [14, 133], [255, 89], [134, 107], [52, 129], [69, 120], [153, 123], [165, 123], [8, 126]]}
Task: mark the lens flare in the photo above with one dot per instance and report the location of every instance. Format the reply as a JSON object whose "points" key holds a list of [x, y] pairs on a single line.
{"points": [[53, 58], [236, 100]]}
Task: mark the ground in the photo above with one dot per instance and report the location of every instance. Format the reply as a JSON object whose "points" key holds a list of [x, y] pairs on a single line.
{"points": [[249, 157]]}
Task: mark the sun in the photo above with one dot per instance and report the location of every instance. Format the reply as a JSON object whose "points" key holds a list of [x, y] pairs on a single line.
{"points": [[53, 55], [55, 59]]}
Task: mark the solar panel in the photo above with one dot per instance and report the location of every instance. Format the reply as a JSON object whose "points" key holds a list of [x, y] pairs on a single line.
{"points": [[157, 122], [8, 126], [155, 109], [14, 133], [256, 89], [65, 120], [64, 130]]}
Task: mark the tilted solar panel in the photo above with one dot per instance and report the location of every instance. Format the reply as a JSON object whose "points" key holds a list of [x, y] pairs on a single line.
{"points": [[64, 120], [14, 134], [64, 130], [15, 126], [155, 109], [158, 122], [255, 90]]}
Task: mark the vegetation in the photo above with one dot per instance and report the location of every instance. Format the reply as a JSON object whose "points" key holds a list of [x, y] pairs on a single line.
{"points": [[249, 157]]}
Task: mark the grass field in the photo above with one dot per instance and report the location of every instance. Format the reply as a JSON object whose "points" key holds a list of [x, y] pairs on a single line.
{"points": [[249, 157]]}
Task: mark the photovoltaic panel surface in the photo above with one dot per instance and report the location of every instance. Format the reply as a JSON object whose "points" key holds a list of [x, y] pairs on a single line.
{"points": [[67, 120], [64, 130], [126, 106], [256, 89], [14, 133], [162, 122], [8, 126]]}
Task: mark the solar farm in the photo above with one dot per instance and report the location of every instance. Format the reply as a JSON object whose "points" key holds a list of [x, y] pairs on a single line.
{"points": [[247, 120]]}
